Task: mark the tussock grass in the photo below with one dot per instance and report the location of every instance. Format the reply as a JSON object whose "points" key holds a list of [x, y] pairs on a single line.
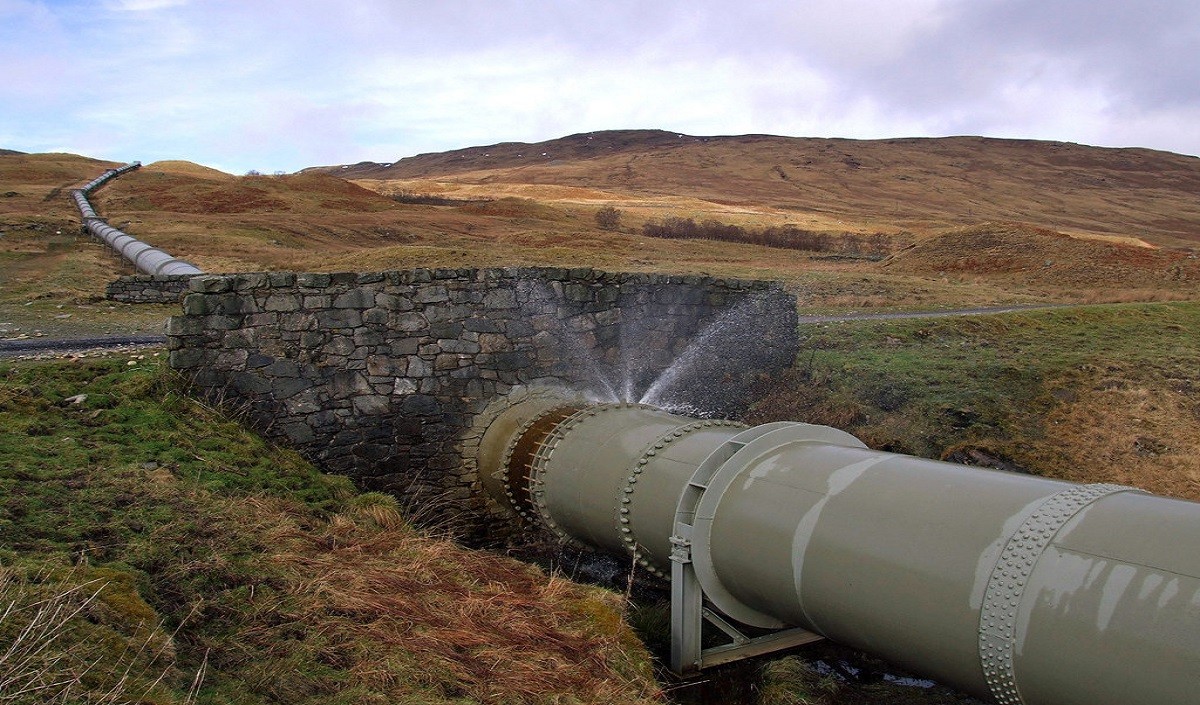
{"points": [[183, 545]]}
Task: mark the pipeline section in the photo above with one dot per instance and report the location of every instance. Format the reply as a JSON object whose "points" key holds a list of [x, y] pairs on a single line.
{"points": [[145, 258], [1013, 588]]}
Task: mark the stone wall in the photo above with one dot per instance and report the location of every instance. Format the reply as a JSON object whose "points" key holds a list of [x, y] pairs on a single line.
{"points": [[148, 288], [380, 375]]}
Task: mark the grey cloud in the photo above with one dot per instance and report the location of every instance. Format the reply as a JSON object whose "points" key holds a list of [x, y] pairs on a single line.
{"points": [[377, 76]]}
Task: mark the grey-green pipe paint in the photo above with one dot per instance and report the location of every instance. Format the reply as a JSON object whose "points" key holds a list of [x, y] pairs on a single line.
{"points": [[1010, 587]]}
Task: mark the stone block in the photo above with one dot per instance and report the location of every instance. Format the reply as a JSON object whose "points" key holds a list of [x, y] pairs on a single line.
{"points": [[482, 325], [371, 404], [421, 405], [405, 346], [249, 383], [500, 299], [376, 316], [241, 338], [577, 292], [447, 312], [221, 323], [298, 433], [230, 359], [432, 294], [282, 303], [446, 361], [393, 302], [348, 384], [282, 368], [508, 361], [493, 342], [196, 305], [285, 387], [249, 281], [410, 322], [210, 284], [313, 280], [386, 366], [367, 338], [256, 360], [181, 325], [355, 299], [339, 318], [419, 366], [446, 330], [186, 358], [339, 345], [455, 345]]}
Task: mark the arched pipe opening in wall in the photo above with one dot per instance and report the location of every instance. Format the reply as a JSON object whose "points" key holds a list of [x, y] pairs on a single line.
{"points": [[1012, 588]]}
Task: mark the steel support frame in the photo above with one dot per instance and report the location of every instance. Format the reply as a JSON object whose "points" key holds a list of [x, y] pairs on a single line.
{"points": [[689, 613]]}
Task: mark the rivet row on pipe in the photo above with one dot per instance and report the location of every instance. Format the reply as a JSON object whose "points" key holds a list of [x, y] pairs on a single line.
{"points": [[145, 258], [1010, 587]]}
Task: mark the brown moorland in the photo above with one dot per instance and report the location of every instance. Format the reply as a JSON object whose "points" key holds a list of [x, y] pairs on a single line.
{"points": [[1113, 224], [1094, 393], [915, 183]]}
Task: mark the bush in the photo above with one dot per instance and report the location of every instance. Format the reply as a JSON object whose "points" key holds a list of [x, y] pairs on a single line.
{"points": [[875, 245], [608, 218]]}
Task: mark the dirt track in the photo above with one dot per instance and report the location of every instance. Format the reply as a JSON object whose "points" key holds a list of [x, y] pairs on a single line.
{"points": [[57, 347]]}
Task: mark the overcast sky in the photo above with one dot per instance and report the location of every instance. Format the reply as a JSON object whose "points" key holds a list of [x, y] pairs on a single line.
{"points": [[284, 84]]}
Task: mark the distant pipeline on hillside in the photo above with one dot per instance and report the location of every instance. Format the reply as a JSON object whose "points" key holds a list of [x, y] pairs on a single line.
{"points": [[145, 258]]}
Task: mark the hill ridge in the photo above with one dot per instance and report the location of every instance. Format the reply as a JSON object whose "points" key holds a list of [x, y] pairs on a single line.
{"points": [[912, 183]]}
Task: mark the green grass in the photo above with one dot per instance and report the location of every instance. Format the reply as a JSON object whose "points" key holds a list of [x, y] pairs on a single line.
{"points": [[928, 386]]}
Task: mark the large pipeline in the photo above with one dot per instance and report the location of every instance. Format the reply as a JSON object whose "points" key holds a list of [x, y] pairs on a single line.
{"points": [[1013, 588], [145, 258]]}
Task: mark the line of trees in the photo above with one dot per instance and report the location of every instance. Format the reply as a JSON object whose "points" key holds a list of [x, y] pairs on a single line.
{"points": [[874, 245]]}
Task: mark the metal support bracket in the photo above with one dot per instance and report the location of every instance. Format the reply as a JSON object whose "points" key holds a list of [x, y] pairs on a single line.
{"points": [[688, 614]]}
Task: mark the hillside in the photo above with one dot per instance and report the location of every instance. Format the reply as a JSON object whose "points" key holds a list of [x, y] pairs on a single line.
{"points": [[864, 184], [158, 552]]}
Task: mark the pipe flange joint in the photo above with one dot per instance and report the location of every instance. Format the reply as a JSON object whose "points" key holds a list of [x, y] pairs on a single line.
{"points": [[1010, 575], [539, 467], [624, 526]]}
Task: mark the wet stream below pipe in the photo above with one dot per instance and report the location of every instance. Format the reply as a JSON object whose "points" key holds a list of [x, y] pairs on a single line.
{"points": [[825, 674], [818, 674]]}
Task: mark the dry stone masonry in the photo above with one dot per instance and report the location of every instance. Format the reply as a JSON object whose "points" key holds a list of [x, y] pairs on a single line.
{"points": [[148, 288], [380, 375]]}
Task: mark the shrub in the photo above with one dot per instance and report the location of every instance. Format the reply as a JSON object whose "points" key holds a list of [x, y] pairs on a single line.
{"points": [[608, 218]]}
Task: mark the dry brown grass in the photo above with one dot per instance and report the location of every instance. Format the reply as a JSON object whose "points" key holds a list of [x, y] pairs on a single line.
{"points": [[911, 183], [1026, 256], [406, 614], [1134, 435], [543, 213]]}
